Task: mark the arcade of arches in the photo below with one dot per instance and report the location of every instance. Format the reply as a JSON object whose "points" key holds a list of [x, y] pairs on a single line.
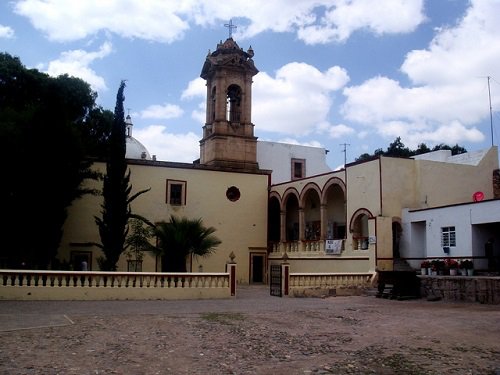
{"points": [[310, 217]]}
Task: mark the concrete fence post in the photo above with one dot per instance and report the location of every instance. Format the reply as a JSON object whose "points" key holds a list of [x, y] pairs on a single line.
{"points": [[285, 278], [231, 269]]}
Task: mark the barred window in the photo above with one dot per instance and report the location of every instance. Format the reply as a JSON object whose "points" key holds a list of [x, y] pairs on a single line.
{"points": [[176, 192], [448, 238]]}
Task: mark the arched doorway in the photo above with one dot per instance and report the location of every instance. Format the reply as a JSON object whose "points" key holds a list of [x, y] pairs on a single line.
{"points": [[273, 221], [397, 230], [292, 218]]}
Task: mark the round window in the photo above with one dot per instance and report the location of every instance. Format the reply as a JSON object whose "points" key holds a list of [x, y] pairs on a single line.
{"points": [[233, 193]]}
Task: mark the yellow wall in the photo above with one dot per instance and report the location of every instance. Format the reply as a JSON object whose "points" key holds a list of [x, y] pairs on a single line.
{"points": [[398, 185], [363, 188], [441, 184], [240, 225]]}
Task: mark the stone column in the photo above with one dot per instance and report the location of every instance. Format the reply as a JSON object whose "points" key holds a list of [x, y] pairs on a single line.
{"points": [[324, 221]]}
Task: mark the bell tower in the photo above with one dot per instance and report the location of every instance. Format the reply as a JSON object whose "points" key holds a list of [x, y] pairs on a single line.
{"points": [[228, 135]]}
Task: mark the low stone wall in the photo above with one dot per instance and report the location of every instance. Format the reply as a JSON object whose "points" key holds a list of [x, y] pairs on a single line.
{"points": [[329, 284], [482, 289], [65, 285]]}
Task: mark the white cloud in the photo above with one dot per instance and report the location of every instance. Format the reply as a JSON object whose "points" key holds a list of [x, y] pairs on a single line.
{"points": [[297, 99], [196, 88], [164, 111], [450, 134], [314, 21], [449, 95], [200, 114], [76, 63], [465, 52], [64, 20], [339, 131], [168, 146], [348, 16], [6, 32]]}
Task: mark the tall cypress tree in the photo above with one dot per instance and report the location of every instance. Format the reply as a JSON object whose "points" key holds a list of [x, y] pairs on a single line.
{"points": [[113, 226]]}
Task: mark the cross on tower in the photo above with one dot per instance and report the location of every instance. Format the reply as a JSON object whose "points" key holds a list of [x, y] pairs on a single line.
{"points": [[230, 26]]}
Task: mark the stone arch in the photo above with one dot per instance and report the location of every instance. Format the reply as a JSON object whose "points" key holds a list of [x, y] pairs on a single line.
{"points": [[331, 182], [233, 103], [310, 201], [274, 218], [358, 227], [310, 186], [291, 206], [334, 201]]}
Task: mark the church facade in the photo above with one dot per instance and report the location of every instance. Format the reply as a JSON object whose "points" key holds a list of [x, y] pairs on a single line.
{"points": [[318, 220]]}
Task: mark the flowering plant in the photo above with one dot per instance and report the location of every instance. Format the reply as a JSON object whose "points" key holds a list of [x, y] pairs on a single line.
{"points": [[425, 264], [437, 265], [466, 264], [451, 263]]}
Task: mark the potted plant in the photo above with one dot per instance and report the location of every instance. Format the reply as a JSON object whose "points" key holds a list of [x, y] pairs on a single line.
{"points": [[452, 266], [425, 267], [468, 266]]}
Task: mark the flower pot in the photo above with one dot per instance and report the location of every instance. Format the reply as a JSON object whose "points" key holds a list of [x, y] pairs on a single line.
{"points": [[453, 272], [470, 272], [463, 272], [423, 271]]}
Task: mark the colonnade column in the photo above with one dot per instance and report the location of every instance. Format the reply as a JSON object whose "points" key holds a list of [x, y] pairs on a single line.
{"points": [[282, 226], [302, 224], [323, 218]]}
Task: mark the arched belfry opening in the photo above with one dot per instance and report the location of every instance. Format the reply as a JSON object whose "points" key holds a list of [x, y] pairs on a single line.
{"points": [[233, 104], [228, 135]]}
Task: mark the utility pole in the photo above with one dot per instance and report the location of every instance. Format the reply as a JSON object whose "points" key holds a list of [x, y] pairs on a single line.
{"points": [[345, 151], [491, 115]]}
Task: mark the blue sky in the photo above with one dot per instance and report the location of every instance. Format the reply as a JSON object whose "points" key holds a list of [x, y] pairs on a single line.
{"points": [[360, 72]]}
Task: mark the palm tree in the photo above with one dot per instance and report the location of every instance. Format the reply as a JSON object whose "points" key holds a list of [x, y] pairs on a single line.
{"points": [[179, 238]]}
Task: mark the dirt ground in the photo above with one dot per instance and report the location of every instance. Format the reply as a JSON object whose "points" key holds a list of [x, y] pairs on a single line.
{"points": [[256, 335]]}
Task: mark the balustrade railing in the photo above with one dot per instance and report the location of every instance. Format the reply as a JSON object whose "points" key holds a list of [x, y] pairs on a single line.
{"points": [[327, 280], [31, 281], [316, 247]]}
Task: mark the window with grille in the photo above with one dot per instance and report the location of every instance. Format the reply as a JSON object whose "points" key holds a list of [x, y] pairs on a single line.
{"points": [[298, 168], [448, 237], [176, 192]]}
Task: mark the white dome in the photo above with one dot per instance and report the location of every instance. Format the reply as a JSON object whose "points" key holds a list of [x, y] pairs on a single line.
{"points": [[136, 150]]}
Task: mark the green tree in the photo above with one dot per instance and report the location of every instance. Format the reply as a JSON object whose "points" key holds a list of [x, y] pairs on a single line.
{"points": [[116, 211], [398, 149], [137, 241], [95, 132], [180, 238], [43, 163]]}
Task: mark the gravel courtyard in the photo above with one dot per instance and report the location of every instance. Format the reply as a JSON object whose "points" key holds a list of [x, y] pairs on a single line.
{"points": [[251, 334]]}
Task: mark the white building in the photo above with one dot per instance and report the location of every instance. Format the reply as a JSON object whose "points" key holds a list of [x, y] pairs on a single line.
{"points": [[455, 231], [291, 162]]}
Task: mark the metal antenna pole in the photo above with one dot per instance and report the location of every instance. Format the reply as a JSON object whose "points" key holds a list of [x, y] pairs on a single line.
{"points": [[491, 115], [345, 152]]}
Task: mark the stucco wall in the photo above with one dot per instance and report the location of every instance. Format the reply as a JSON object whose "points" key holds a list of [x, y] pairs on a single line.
{"points": [[277, 157], [474, 223], [440, 184], [240, 225]]}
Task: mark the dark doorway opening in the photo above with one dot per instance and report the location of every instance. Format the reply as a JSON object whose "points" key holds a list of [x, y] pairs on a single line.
{"points": [[257, 268]]}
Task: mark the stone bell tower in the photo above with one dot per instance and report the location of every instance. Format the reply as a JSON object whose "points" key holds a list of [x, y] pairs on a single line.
{"points": [[228, 138]]}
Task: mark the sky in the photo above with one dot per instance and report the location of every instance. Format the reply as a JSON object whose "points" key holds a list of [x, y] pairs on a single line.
{"points": [[346, 75]]}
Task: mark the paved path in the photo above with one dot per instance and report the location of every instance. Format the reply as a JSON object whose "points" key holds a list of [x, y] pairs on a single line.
{"points": [[250, 299], [32, 314]]}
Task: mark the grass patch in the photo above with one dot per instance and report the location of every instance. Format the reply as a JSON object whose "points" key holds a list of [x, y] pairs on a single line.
{"points": [[224, 318]]}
